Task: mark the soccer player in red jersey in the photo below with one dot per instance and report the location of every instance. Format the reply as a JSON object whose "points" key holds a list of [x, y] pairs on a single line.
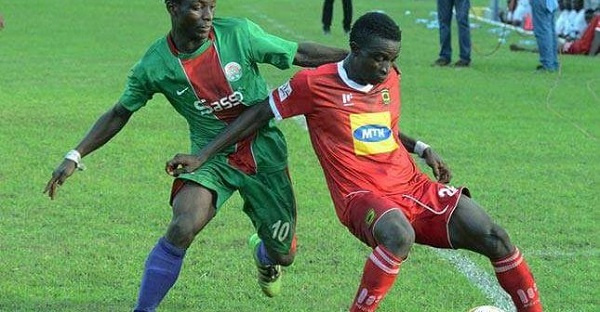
{"points": [[352, 109]]}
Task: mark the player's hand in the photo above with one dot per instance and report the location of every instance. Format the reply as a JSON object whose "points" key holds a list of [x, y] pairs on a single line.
{"points": [[60, 174], [183, 163], [440, 170]]}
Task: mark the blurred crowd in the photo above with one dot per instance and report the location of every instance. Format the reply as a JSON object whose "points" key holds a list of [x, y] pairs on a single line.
{"points": [[573, 16], [577, 25]]}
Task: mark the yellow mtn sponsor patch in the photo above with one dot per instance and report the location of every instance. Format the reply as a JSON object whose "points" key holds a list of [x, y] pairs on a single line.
{"points": [[372, 133]]}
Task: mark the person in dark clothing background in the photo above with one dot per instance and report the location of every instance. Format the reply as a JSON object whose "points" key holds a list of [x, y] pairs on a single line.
{"points": [[328, 15]]}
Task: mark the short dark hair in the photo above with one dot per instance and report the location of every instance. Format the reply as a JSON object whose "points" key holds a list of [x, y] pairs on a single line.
{"points": [[374, 24]]}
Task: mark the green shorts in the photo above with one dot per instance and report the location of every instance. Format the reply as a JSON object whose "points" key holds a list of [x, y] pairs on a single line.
{"points": [[268, 199]]}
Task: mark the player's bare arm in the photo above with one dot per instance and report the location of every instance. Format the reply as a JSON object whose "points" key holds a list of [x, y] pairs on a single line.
{"points": [[247, 123], [106, 127], [312, 54], [440, 170]]}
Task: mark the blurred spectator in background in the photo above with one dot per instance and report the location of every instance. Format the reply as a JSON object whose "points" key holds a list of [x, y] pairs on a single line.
{"points": [[562, 22], [577, 24], [545, 33], [1, 22], [589, 44], [516, 12], [444, 13], [327, 15]]}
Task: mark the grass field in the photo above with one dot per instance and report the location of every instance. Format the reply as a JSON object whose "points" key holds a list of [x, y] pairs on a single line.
{"points": [[527, 145]]}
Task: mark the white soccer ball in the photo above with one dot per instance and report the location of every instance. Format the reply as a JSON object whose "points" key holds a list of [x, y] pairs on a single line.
{"points": [[486, 309]]}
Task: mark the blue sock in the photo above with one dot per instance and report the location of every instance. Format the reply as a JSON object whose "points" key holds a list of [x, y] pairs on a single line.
{"points": [[263, 256], [161, 272]]}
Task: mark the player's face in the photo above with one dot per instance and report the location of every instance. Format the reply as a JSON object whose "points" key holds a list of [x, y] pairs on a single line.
{"points": [[193, 18], [374, 60]]}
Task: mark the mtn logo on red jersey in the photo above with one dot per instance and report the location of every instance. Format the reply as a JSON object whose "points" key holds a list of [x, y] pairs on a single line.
{"points": [[372, 133]]}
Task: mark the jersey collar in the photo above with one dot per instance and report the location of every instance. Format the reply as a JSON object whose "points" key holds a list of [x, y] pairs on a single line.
{"points": [[200, 50], [351, 83]]}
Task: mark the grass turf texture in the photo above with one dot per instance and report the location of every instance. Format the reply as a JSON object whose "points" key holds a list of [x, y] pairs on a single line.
{"points": [[527, 145]]}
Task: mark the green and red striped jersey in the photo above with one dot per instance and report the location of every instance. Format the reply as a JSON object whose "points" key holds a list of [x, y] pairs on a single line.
{"points": [[212, 86]]}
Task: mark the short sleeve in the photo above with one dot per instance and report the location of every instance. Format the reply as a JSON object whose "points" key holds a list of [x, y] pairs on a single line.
{"points": [[137, 93], [270, 49], [293, 97]]}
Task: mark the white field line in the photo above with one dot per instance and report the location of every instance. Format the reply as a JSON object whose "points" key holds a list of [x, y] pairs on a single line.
{"points": [[484, 281], [487, 284]]}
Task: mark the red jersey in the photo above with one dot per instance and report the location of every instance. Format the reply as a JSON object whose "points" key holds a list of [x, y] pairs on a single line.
{"points": [[353, 129]]}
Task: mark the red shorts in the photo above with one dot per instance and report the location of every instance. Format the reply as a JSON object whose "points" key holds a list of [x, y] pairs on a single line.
{"points": [[428, 207]]}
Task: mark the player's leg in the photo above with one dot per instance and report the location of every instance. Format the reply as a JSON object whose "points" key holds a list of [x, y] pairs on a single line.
{"points": [[444, 11], [327, 16], [380, 224], [269, 202], [471, 228], [193, 208], [347, 22], [464, 31]]}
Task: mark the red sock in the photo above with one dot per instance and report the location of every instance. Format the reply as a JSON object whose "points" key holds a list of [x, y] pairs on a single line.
{"points": [[379, 275], [515, 277]]}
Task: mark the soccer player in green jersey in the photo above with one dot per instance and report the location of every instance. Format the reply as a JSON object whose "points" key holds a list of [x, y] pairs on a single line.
{"points": [[207, 69]]}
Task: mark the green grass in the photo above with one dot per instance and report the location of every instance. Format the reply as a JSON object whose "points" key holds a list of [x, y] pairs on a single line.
{"points": [[526, 144]]}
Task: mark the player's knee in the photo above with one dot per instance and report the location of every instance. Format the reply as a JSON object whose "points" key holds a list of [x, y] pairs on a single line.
{"points": [[284, 260], [495, 243], [181, 231], [397, 237]]}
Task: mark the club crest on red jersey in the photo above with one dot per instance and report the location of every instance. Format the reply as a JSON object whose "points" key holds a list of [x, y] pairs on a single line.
{"points": [[385, 96]]}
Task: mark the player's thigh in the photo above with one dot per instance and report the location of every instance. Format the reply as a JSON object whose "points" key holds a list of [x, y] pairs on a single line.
{"points": [[194, 203], [218, 177], [195, 199], [269, 202], [472, 228], [375, 220]]}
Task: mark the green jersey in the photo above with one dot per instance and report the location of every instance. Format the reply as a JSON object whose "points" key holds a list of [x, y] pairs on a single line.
{"points": [[212, 86]]}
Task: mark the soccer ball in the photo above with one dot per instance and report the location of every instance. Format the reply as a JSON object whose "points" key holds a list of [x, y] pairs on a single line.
{"points": [[486, 309]]}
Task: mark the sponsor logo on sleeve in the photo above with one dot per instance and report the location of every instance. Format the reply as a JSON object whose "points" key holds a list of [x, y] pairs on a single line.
{"points": [[284, 91], [372, 133]]}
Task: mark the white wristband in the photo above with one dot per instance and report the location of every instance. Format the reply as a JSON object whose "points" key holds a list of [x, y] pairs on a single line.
{"points": [[76, 157], [420, 147]]}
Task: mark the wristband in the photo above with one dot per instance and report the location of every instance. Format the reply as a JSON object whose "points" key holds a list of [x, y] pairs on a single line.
{"points": [[74, 156], [420, 147]]}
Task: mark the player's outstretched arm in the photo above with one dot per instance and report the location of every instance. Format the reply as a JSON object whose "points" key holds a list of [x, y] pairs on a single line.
{"points": [[312, 54], [106, 127], [247, 123], [440, 170]]}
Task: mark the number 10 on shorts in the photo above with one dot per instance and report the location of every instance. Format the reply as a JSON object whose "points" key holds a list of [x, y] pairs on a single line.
{"points": [[281, 230]]}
